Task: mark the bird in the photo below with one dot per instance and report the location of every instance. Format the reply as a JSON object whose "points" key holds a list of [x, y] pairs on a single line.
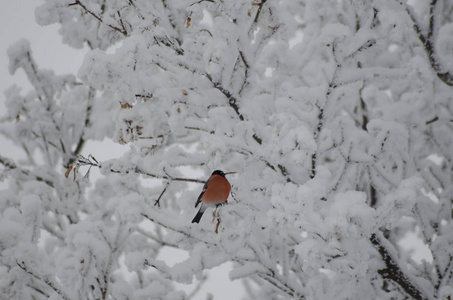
{"points": [[215, 192]]}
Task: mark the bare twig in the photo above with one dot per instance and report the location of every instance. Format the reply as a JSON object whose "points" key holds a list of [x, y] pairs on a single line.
{"points": [[446, 276], [232, 101], [10, 165], [200, 1], [113, 252], [121, 21], [282, 169], [429, 43], [47, 281], [258, 12], [246, 72], [280, 285], [167, 177], [319, 125], [92, 162], [81, 142], [77, 2], [156, 239], [197, 288], [393, 272], [161, 194], [171, 228]]}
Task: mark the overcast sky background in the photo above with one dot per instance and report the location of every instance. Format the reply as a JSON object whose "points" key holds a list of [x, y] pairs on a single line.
{"points": [[17, 21]]}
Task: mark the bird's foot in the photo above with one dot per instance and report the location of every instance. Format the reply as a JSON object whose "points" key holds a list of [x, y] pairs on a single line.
{"points": [[217, 226]]}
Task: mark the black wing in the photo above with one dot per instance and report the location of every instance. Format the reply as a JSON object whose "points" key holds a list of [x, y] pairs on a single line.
{"points": [[205, 187]]}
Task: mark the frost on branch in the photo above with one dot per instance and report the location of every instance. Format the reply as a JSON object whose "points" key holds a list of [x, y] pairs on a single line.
{"points": [[336, 115]]}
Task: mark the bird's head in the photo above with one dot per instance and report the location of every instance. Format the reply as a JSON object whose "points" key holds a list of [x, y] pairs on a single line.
{"points": [[221, 173]]}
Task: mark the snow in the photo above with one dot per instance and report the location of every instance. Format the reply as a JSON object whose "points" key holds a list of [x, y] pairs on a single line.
{"points": [[17, 53], [333, 152]]}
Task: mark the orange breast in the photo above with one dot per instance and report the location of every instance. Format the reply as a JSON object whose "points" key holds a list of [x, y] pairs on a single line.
{"points": [[218, 190]]}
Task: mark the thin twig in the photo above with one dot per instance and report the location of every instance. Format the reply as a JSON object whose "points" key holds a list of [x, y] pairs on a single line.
{"points": [[47, 281], [246, 72], [10, 165], [77, 2], [429, 43], [260, 7], [156, 239], [169, 228], [392, 270], [197, 288], [232, 101], [168, 177], [319, 126], [81, 142], [161, 194]]}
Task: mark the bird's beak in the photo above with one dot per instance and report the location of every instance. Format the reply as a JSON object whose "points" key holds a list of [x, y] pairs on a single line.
{"points": [[227, 173]]}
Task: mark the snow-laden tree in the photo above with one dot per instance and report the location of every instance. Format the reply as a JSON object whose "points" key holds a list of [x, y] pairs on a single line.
{"points": [[337, 116]]}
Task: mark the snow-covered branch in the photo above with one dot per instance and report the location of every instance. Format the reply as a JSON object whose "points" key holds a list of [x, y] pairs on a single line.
{"points": [[53, 285], [99, 18], [427, 37]]}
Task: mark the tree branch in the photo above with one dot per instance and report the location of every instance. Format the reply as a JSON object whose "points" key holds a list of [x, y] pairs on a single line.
{"points": [[393, 272], [269, 277], [92, 162], [232, 101], [77, 2], [10, 165], [47, 281], [258, 12], [332, 86], [246, 72], [81, 141], [157, 202], [185, 233], [156, 239], [197, 288], [282, 169], [428, 42], [168, 177], [446, 276], [113, 250], [280, 285]]}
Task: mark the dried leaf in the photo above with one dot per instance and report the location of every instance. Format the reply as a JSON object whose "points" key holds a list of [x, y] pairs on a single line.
{"points": [[67, 172], [125, 105]]}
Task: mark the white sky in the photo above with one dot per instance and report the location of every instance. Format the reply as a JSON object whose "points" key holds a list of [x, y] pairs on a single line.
{"points": [[17, 21]]}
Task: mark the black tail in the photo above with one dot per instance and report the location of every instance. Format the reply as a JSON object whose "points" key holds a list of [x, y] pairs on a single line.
{"points": [[197, 217]]}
